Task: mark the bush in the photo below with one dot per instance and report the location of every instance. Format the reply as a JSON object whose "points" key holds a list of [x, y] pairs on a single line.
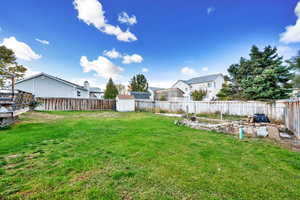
{"points": [[163, 98], [198, 95]]}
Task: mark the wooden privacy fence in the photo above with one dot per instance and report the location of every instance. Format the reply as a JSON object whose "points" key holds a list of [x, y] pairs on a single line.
{"points": [[243, 108], [292, 116], [75, 104]]}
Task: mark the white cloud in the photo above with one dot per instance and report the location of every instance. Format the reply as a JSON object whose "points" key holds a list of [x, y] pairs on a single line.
{"points": [[134, 58], [30, 72], [125, 19], [292, 32], [286, 51], [102, 66], [127, 59], [113, 54], [161, 84], [205, 69], [145, 70], [21, 49], [93, 81], [188, 71], [210, 10], [43, 41], [92, 13]]}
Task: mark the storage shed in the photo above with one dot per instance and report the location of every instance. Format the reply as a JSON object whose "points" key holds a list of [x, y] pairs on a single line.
{"points": [[125, 103]]}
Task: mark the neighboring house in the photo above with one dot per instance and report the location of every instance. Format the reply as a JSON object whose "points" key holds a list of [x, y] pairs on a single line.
{"points": [[171, 94], [296, 92], [95, 92], [45, 85], [140, 95], [152, 91], [211, 83]]}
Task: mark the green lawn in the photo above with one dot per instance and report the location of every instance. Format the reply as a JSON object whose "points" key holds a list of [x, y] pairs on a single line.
{"points": [[109, 155]]}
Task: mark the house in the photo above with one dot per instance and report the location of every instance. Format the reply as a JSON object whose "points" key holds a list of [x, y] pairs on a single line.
{"points": [[152, 91], [211, 83], [94, 92], [45, 85], [171, 94]]}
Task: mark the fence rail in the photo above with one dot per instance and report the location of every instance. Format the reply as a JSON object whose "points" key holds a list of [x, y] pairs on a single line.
{"points": [[51, 104], [17, 100]]}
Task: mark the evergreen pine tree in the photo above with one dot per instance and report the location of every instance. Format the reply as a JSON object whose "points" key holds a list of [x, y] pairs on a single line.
{"points": [[111, 90]]}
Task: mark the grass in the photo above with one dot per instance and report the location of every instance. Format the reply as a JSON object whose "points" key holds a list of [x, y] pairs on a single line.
{"points": [[225, 116], [108, 155]]}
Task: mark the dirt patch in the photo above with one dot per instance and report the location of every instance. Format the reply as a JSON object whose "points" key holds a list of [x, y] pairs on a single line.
{"points": [[26, 193], [13, 156], [40, 117], [100, 115], [10, 166], [83, 176]]}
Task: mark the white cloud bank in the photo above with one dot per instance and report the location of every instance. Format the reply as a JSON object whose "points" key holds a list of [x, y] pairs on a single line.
{"points": [[145, 70], [210, 10], [134, 58], [113, 54], [205, 69], [30, 72], [102, 66], [286, 51], [127, 59], [188, 71], [92, 13], [125, 19], [292, 32], [21, 49], [42, 41]]}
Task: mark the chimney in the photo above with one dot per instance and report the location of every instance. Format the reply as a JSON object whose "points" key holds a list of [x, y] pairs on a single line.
{"points": [[86, 85]]}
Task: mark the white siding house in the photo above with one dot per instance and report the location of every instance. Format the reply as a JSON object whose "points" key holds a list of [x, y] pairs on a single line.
{"points": [[211, 83], [45, 85]]}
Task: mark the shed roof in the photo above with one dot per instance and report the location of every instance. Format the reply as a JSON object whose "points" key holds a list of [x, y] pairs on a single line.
{"points": [[124, 96]]}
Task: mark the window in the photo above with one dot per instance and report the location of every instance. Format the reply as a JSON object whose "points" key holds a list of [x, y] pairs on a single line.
{"points": [[209, 84], [78, 93]]}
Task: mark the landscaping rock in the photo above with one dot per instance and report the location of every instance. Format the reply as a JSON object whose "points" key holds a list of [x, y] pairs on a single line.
{"points": [[273, 133], [285, 136], [262, 131]]}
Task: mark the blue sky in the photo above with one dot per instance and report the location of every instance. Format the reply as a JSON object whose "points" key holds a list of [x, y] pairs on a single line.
{"points": [[166, 40]]}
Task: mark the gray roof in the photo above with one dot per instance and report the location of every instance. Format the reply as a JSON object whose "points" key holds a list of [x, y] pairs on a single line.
{"points": [[140, 95], [95, 90], [203, 79], [52, 77], [155, 88]]}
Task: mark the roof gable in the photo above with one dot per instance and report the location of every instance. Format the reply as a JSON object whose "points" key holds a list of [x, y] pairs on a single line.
{"points": [[53, 78], [203, 79], [180, 81]]}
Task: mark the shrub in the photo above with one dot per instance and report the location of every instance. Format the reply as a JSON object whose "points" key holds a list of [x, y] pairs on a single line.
{"points": [[198, 95], [163, 98]]}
